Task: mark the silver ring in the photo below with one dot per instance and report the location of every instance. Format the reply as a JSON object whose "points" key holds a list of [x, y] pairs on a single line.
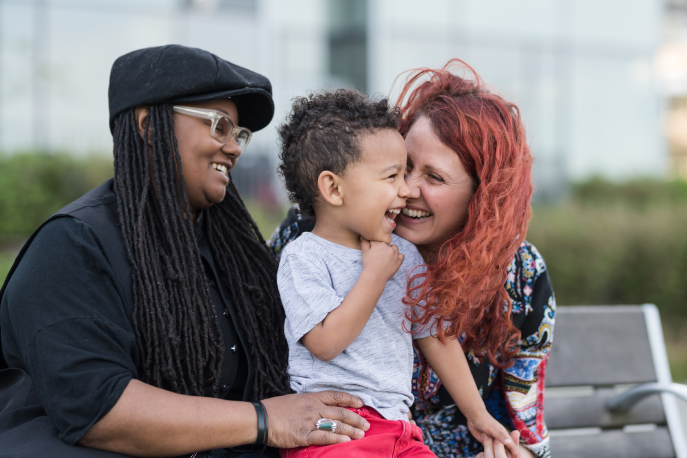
{"points": [[325, 424]]}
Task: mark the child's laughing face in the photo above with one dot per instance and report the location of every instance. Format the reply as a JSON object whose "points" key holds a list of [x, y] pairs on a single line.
{"points": [[374, 188]]}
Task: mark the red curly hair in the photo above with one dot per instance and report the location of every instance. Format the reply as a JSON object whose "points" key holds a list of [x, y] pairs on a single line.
{"points": [[464, 288]]}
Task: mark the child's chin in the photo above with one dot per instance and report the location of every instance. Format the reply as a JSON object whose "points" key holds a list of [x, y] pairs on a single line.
{"points": [[386, 238], [379, 236]]}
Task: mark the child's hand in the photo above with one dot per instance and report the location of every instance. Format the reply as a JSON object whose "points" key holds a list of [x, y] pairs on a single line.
{"points": [[381, 259], [495, 449], [484, 424]]}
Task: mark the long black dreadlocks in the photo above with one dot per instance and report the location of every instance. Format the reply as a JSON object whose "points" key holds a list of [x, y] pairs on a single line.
{"points": [[176, 332]]}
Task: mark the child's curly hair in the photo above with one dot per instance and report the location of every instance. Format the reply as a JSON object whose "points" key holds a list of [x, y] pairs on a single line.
{"points": [[323, 132]]}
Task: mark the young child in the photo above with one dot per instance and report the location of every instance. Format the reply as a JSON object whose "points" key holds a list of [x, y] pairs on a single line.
{"points": [[342, 285]]}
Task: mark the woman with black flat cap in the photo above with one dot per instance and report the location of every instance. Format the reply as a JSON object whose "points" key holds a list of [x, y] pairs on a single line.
{"points": [[144, 319]]}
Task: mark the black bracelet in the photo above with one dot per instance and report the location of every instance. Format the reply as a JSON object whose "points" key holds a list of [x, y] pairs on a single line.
{"points": [[262, 424], [267, 427]]}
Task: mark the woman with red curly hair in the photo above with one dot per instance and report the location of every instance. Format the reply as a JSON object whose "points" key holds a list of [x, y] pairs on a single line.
{"points": [[469, 171]]}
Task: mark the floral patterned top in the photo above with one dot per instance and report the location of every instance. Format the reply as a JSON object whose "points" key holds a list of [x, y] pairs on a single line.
{"points": [[514, 396]]}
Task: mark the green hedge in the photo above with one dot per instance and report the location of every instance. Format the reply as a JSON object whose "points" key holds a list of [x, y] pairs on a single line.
{"points": [[617, 244], [638, 194], [33, 186]]}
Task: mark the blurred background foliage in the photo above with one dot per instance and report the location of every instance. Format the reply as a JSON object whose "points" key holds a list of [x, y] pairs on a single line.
{"points": [[617, 243], [606, 243], [33, 186]]}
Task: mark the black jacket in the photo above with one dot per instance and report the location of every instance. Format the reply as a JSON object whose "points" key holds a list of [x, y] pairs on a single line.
{"points": [[68, 346]]}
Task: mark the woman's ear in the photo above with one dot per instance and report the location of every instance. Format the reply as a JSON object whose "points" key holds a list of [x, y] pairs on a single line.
{"points": [[330, 188], [141, 115]]}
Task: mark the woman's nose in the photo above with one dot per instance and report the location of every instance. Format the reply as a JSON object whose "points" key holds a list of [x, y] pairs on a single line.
{"points": [[231, 148], [413, 187]]}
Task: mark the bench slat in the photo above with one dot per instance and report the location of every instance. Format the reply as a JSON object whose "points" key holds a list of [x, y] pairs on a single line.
{"points": [[604, 345], [585, 412], [615, 444]]}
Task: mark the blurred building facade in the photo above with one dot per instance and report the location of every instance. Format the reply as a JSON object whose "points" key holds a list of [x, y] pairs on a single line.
{"points": [[671, 65], [583, 72]]}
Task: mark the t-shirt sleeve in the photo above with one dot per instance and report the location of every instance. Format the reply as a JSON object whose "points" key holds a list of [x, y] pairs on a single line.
{"points": [[306, 292], [64, 322]]}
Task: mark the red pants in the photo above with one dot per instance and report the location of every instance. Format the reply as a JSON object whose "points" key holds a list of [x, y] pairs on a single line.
{"points": [[385, 438]]}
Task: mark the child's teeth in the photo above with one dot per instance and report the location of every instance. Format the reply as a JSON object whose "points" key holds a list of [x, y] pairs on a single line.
{"points": [[394, 213]]}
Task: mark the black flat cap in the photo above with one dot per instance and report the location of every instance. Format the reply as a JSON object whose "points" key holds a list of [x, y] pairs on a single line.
{"points": [[177, 74]]}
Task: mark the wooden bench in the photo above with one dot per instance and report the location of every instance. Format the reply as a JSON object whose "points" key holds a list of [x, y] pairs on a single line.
{"points": [[608, 386]]}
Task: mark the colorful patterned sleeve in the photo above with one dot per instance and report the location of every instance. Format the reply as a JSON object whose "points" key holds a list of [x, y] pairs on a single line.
{"points": [[534, 310], [293, 225]]}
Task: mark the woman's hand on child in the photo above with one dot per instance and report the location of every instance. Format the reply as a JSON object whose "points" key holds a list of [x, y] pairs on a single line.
{"points": [[381, 259], [484, 427], [292, 419]]}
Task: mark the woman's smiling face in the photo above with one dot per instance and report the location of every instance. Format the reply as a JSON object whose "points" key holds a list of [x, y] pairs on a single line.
{"points": [[440, 191], [205, 162]]}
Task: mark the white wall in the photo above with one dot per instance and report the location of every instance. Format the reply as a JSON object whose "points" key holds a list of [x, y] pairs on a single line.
{"points": [[580, 71], [283, 40]]}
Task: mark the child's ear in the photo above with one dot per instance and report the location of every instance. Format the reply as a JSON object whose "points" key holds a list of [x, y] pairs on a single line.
{"points": [[330, 188]]}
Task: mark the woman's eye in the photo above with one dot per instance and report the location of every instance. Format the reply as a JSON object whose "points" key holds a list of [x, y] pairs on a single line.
{"points": [[436, 177]]}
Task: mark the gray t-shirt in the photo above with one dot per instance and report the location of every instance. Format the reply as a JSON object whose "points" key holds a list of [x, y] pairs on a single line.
{"points": [[315, 275]]}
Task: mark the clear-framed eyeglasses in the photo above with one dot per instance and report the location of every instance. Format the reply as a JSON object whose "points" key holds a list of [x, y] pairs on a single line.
{"points": [[222, 128]]}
